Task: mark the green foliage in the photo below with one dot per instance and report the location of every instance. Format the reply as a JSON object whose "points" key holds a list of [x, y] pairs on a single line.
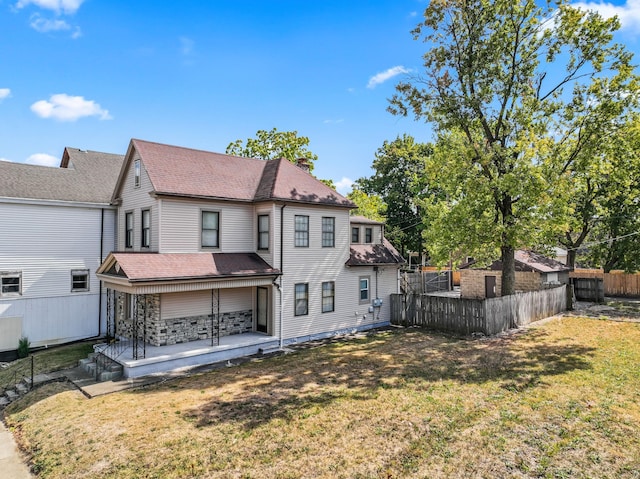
{"points": [[23, 347], [511, 131], [369, 206], [274, 144], [400, 182]]}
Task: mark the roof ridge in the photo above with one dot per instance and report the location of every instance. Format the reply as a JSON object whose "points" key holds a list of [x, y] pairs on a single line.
{"points": [[198, 150]]}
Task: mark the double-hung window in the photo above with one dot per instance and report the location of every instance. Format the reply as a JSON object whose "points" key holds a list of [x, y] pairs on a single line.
{"points": [[368, 235], [145, 237], [136, 173], [301, 238], [355, 234], [328, 296], [79, 280], [10, 283], [128, 230], [328, 232], [210, 229], [263, 232], [301, 299], [364, 289]]}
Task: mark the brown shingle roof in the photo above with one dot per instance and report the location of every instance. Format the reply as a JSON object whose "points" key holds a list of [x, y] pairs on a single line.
{"points": [[182, 266], [181, 171], [83, 176], [363, 220], [374, 254]]}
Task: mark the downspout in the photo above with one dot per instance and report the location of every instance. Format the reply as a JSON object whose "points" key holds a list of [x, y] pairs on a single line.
{"points": [[100, 281], [281, 272]]}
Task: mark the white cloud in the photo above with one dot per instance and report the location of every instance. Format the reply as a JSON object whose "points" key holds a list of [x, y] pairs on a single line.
{"points": [[68, 108], [344, 186], [65, 6], [4, 93], [43, 159], [628, 13], [382, 77], [44, 25]]}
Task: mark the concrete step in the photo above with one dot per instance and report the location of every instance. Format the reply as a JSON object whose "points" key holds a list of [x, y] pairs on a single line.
{"points": [[4, 402], [109, 376], [21, 389], [11, 395]]}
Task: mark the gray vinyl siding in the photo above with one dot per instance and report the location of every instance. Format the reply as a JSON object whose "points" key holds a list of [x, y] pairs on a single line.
{"points": [[195, 303], [181, 226], [45, 242], [136, 199]]}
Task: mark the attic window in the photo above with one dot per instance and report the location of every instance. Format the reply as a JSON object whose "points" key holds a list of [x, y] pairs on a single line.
{"points": [[136, 173]]}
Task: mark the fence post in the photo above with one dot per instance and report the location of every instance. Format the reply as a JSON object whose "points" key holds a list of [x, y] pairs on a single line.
{"points": [[31, 385]]}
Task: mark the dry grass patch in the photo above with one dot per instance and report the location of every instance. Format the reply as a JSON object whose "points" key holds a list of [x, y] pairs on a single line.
{"points": [[557, 401]]}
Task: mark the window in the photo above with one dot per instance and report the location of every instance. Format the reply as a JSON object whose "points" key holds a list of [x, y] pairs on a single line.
{"points": [[263, 232], [301, 231], [355, 235], [10, 283], [368, 235], [328, 296], [328, 232], [80, 280], [210, 229], [364, 289], [145, 239], [136, 173], [128, 230], [302, 299]]}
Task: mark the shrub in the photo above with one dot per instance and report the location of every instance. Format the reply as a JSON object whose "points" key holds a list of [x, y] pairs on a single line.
{"points": [[23, 347]]}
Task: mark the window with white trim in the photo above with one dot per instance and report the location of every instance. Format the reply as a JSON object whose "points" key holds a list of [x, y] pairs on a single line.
{"points": [[136, 173], [79, 280], [355, 234], [301, 299], [10, 283], [328, 296], [301, 238], [328, 232], [263, 231], [210, 229], [364, 289], [368, 235], [145, 237], [128, 230]]}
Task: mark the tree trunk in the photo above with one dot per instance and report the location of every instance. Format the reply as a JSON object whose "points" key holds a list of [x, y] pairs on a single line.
{"points": [[571, 258], [508, 271]]}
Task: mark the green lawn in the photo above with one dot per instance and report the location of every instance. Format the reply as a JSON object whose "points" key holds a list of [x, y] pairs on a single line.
{"points": [[559, 400]]}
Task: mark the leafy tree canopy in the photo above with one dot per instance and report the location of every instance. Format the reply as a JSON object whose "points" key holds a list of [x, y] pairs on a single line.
{"points": [[274, 144], [510, 127], [369, 206]]}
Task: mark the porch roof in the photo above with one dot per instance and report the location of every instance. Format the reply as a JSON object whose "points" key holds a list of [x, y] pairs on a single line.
{"points": [[155, 267], [374, 254]]}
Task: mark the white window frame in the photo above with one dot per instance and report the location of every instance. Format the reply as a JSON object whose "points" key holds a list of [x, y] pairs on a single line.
{"points": [[263, 235], [301, 235], [356, 230], [301, 293], [79, 272], [217, 230], [328, 294], [6, 275], [136, 173], [328, 232], [368, 235], [145, 230], [367, 288], [128, 229]]}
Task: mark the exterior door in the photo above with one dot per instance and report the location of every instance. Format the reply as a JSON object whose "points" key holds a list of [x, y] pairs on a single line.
{"points": [[489, 286], [262, 307]]}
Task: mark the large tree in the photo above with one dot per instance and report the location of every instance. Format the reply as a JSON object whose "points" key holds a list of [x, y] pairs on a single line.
{"points": [[274, 144], [400, 181], [505, 83], [369, 206]]}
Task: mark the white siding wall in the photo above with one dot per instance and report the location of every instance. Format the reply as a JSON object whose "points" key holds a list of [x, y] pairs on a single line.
{"points": [[136, 199], [181, 226], [45, 242], [195, 303], [376, 233]]}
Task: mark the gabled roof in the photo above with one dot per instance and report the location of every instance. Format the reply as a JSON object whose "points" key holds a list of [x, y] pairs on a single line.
{"points": [[527, 260], [83, 176], [374, 254], [363, 220], [147, 267], [177, 171]]}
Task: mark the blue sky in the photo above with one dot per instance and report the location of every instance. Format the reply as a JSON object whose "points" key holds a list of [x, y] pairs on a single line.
{"points": [[93, 74]]}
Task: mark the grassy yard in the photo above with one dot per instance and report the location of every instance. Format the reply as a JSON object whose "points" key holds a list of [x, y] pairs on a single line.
{"points": [[560, 400], [45, 361]]}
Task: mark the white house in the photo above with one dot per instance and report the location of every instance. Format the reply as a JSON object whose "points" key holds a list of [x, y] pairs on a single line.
{"points": [[56, 227], [217, 253]]}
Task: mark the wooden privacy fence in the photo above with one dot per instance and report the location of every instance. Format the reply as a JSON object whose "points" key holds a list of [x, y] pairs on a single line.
{"points": [[588, 289], [468, 316], [615, 284]]}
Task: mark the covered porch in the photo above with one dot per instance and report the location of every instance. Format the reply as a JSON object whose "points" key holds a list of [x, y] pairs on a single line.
{"points": [[171, 311]]}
